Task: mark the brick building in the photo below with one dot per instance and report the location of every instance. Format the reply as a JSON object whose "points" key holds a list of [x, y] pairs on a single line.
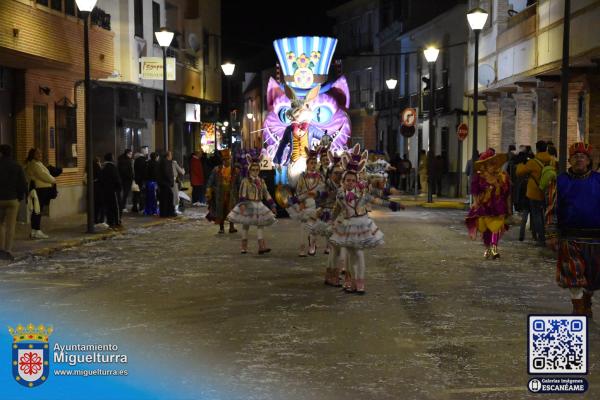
{"points": [[41, 90]]}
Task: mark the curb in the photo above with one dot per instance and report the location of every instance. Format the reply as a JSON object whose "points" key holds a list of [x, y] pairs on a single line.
{"points": [[67, 244]]}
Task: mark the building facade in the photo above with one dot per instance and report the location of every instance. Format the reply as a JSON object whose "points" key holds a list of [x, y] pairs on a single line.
{"points": [[41, 86], [520, 54]]}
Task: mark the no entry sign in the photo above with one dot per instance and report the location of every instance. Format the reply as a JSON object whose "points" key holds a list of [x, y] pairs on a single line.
{"points": [[462, 131]]}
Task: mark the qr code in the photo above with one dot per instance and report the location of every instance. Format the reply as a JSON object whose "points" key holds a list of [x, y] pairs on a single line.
{"points": [[557, 344]]}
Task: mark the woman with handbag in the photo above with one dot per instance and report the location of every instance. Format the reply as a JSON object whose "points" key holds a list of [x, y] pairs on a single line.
{"points": [[42, 189]]}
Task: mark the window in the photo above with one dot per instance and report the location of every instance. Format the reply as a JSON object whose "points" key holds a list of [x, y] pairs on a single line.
{"points": [[66, 136], [206, 48], [40, 130], [138, 15], [56, 5], [155, 19], [42, 2], [70, 7]]}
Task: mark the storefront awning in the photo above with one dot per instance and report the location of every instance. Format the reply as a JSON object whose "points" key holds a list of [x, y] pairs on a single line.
{"points": [[135, 123]]}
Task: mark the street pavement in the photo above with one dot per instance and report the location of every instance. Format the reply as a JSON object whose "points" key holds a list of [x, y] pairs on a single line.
{"points": [[438, 321]]}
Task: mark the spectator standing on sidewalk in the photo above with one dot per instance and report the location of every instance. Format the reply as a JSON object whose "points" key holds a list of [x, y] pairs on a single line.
{"points": [[125, 164], [139, 176], [166, 181], [150, 206], [99, 209], [13, 187], [178, 174], [112, 188], [197, 179], [533, 169], [423, 177], [41, 190]]}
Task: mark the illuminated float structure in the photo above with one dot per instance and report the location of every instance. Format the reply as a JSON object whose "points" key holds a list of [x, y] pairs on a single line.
{"points": [[305, 62]]}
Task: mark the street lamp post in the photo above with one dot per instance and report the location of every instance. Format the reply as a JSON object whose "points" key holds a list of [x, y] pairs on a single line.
{"points": [[431, 55], [391, 85], [164, 38], [564, 91], [476, 18], [228, 69], [85, 8]]}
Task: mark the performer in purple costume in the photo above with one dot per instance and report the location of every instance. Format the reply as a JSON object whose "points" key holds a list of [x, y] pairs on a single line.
{"points": [[491, 190]]}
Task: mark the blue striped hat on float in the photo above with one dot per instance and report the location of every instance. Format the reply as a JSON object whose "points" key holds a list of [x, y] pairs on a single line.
{"points": [[305, 61]]}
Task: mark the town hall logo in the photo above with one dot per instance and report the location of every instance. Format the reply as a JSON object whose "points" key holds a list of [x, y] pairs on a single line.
{"points": [[30, 349]]}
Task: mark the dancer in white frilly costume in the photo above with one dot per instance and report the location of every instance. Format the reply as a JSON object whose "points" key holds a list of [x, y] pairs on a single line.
{"points": [[353, 230], [250, 210], [303, 205]]}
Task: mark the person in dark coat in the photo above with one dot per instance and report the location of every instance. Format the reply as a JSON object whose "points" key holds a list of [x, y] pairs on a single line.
{"points": [[13, 187], [99, 209], [150, 207], [139, 176], [112, 187], [197, 179], [125, 165], [166, 180]]}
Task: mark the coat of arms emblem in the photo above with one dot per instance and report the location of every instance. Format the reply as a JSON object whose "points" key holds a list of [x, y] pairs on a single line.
{"points": [[30, 354]]}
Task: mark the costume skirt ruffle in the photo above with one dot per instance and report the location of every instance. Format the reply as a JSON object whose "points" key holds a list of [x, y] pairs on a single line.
{"points": [[359, 233], [321, 226], [255, 214], [304, 211]]}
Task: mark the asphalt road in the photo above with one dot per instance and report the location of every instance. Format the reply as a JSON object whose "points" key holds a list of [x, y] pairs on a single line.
{"points": [[437, 322]]}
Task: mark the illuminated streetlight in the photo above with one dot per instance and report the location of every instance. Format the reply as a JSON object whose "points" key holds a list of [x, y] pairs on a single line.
{"points": [[391, 83], [164, 38]]}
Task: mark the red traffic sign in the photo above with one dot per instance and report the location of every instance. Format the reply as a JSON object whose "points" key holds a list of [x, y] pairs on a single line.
{"points": [[462, 131]]}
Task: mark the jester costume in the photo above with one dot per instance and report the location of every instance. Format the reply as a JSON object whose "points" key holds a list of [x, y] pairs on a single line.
{"points": [[250, 210], [490, 187], [573, 218]]}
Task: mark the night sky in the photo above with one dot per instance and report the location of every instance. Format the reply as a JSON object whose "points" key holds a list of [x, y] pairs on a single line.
{"points": [[249, 28]]}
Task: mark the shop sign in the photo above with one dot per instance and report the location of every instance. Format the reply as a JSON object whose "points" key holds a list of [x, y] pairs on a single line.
{"points": [[152, 68]]}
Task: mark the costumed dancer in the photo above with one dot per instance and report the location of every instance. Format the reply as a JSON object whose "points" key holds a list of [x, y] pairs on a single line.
{"points": [[490, 187], [354, 231], [377, 176], [573, 228], [222, 192], [297, 135], [250, 210], [309, 188], [321, 223]]}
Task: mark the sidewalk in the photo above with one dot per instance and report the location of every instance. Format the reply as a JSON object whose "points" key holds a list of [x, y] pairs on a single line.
{"points": [[460, 203], [70, 231]]}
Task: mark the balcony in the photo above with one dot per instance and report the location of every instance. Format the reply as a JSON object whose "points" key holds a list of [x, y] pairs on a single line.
{"points": [[441, 101], [519, 26]]}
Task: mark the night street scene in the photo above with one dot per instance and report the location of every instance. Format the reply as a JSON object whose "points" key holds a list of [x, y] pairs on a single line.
{"points": [[316, 200]]}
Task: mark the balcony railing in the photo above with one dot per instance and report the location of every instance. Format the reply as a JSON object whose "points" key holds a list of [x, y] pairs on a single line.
{"points": [[100, 18]]}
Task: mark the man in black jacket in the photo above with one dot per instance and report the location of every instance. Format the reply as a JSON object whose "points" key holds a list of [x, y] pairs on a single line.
{"points": [[13, 188], [111, 184], [166, 181], [125, 165]]}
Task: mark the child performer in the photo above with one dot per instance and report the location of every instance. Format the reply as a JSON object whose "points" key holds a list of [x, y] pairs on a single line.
{"points": [[355, 231], [250, 210], [491, 190], [309, 187], [321, 223]]}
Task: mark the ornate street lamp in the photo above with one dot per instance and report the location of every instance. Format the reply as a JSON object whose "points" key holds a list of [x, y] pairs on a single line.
{"points": [[164, 38], [85, 8], [431, 55], [477, 18]]}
